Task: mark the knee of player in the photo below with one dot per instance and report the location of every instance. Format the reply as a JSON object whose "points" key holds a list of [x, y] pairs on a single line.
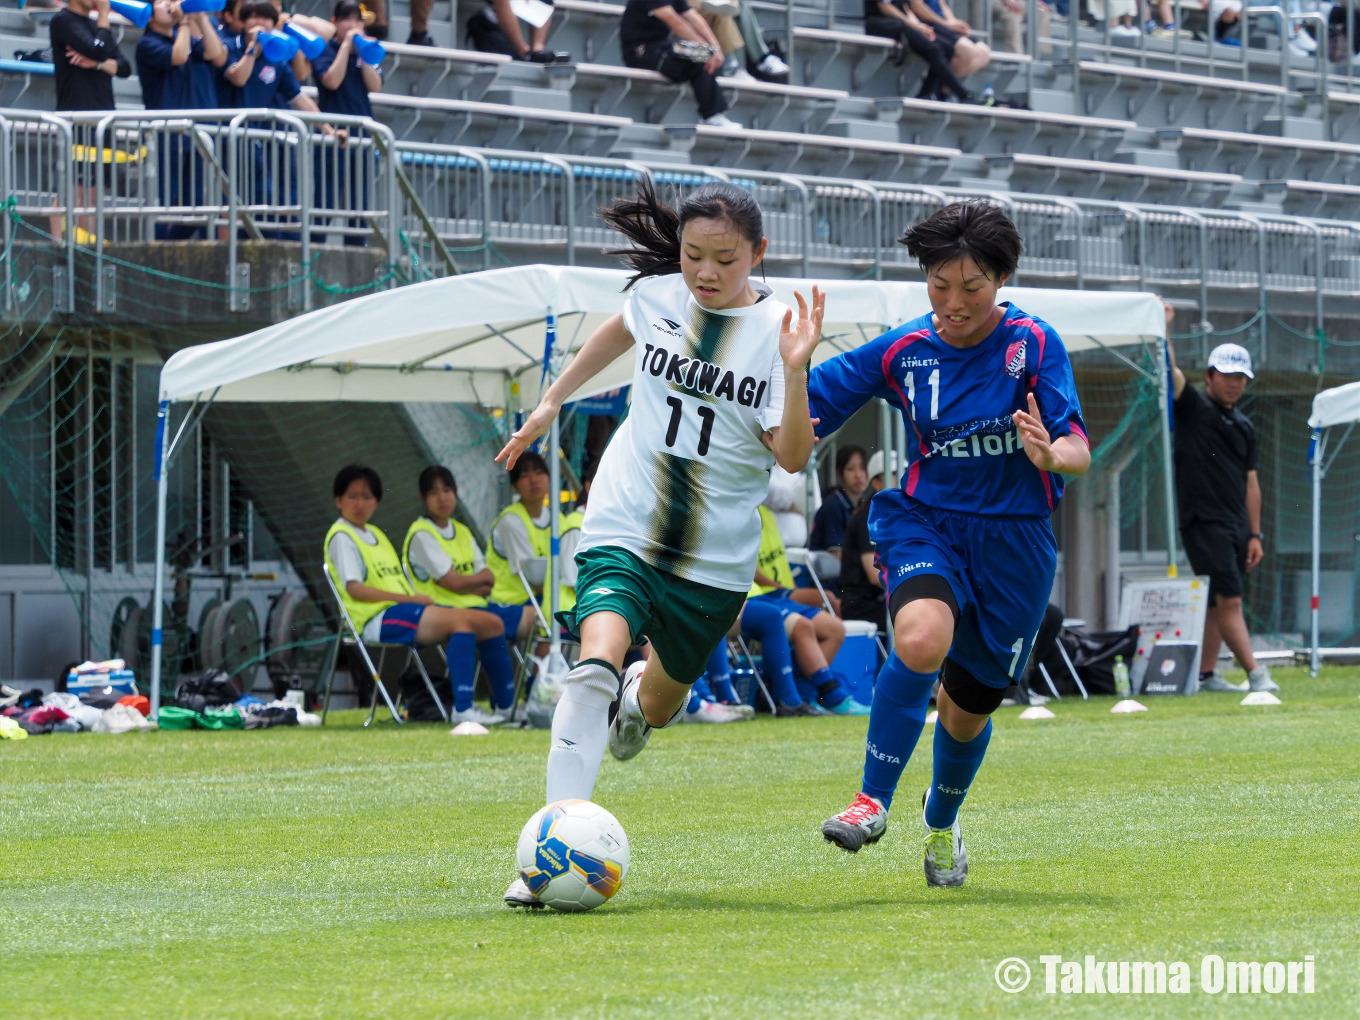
{"points": [[831, 626], [920, 650], [801, 628]]}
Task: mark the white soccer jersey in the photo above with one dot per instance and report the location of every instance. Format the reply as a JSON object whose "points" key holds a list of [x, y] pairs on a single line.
{"points": [[680, 481]]}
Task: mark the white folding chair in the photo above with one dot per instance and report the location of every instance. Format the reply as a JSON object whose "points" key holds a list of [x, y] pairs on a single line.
{"points": [[357, 637]]}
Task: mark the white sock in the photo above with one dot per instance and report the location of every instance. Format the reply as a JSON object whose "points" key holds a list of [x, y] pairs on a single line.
{"points": [[580, 730]]}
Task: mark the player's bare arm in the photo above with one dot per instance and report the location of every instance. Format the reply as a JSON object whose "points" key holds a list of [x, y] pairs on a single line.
{"points": [[791, 441], [1066, 455], [607, 344]]}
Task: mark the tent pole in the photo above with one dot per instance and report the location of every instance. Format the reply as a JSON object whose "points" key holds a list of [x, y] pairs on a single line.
{"points": [[1318, 448], [550, 598], [162, 476], [1168, 476]]}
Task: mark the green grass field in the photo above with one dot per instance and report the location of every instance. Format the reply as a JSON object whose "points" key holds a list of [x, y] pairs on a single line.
{"points": [[345, 872]]}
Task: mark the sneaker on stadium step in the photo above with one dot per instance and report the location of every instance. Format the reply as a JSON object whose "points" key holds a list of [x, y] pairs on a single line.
{"points": [[946, 861], [477, 714], [772, 65], [518, 895], [1259, 679], [850, 707], [1215, 682], [721, 120], [712, 712], [864, 821], [629, 730]]}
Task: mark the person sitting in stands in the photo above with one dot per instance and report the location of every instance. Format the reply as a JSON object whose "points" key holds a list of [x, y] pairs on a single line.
{"points": [[952, 34], [521, 531], [444, 563], [373, 586], [669, 37], [814, 634], [852, 474], [895, 20], [495, 29]]}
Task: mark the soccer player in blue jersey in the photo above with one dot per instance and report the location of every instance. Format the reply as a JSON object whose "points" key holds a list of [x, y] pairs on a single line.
{"points": [[964, 545]]}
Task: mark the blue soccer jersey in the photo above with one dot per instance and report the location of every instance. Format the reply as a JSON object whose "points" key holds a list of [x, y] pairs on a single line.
{"points": [[964, 451]]}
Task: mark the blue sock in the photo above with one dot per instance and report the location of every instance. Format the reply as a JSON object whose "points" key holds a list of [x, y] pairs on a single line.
{"points": [[829, 689], [955, 766], [805, 689], [765, 624], [462, 656], [720, 674], [495, 655], [898, 715], [702, 689]]}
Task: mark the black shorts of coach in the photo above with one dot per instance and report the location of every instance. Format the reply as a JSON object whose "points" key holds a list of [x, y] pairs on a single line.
{"points": [[1218, 550]]}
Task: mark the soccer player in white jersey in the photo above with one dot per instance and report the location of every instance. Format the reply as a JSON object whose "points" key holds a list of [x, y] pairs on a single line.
{"points": [[670, 539]]}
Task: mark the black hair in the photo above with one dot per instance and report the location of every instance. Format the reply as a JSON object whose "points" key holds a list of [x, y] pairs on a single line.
{"points": [[231, 8], [351, 473], [978, 230], [846, 453], [435, 473], [528, 461], [258, 9], [655, 228], [346, 9]]}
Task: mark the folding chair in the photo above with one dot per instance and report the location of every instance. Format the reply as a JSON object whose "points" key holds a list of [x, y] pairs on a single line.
{"points": [[755, 672], [347, 623], [819, 565]]}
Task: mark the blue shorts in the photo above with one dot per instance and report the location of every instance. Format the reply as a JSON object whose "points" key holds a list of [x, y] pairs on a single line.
{"points": [[510, 616], [399, 623], [781, 599], [1000, 570]]}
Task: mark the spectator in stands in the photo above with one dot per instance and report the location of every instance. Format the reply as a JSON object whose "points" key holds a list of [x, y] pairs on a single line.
{"points": [[860, 583], [745, 54], [259, 82], [521, 531], [230, 30], [375, 19], [343, 80], [1219, 498], [1119, 13], [895, 20], [86, 56], [838, 505], [167, 54], [495, 29], [669, 37], [443, 562], [952, 34], [420, 23], [1163, 26], [1008, 24], [373, 586]]}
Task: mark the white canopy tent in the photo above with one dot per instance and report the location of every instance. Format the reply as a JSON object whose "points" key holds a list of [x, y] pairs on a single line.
{"points": [[496, 337], [1338, 406]]}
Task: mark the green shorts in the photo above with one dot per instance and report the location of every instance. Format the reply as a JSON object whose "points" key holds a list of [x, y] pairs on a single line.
{"points": [[684, 620]]}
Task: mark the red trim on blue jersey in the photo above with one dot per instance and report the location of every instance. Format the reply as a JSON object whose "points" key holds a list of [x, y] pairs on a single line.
{"points": [[1074, 427]]}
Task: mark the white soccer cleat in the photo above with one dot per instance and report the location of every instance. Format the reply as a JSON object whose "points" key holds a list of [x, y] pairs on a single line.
{"points": [[1259, 679], [946, 861], [1217, 683], [629, 730], [518, 895], [864, 821], [477, 714]]}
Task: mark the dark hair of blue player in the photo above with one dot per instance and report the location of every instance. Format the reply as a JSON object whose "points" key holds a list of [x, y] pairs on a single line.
{"points": [[847, 453], [528, 461], [436, 473], [258, 9], [977, 230], [351, 473], [655, 228]]}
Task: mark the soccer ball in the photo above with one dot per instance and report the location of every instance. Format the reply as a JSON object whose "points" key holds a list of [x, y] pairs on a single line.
{"points": [[573, 855]]}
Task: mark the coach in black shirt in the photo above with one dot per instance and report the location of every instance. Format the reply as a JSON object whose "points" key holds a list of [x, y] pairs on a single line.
{"points": [[86, 56], [1219, 496]]}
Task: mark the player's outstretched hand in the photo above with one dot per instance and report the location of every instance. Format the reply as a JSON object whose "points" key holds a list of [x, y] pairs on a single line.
{"points": [[797, 339], [1038, 444], [537, 424]]}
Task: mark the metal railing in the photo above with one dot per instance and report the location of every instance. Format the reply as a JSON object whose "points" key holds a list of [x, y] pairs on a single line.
{"points": [[123, 177]]}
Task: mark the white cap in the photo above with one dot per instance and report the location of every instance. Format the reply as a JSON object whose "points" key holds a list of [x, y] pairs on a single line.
{"points": [[876, 463], [1230, 359]]}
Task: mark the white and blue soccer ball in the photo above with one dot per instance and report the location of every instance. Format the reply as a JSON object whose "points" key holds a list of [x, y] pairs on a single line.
{"points": [[573, 855]]}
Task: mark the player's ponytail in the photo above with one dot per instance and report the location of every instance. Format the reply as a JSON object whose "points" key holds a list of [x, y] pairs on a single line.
{"points": [[654, 228]]}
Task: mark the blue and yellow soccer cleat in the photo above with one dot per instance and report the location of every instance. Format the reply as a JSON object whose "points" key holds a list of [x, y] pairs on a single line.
{"points": [[850, 707], [946, 862]]}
